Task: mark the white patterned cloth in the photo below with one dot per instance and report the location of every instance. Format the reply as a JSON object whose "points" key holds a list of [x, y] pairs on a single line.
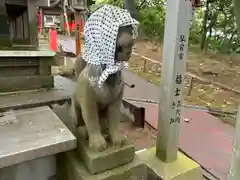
{"points": [[100, 36]]}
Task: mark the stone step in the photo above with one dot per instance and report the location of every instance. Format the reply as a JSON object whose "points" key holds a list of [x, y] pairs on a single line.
{"points": [[20, 83], [25, 70], [30, 134], [62, 92], [23, 47]]}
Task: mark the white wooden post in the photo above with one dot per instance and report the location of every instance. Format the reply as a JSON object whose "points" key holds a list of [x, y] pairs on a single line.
{"points": [[234, 171], [175, 47]]}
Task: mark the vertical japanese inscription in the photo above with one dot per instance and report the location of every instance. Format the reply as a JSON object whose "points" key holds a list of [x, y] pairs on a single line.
{"points": [[179, 78], [181, 48]]}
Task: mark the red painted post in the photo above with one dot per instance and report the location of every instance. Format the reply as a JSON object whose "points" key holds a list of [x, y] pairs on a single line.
{"points": [[52, 34], [78, 41], [81, 25]]}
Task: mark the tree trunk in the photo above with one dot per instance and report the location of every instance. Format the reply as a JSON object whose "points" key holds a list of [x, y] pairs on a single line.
{"points": [[231, 38], [209, 29], [130, 5], [237, 12], [204, 27]]}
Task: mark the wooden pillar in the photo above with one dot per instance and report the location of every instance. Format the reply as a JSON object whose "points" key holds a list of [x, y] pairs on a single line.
{"points": [[32, 18], [62, 22], [78, 24], [175, 47], [78, 41], [5, 38], [41, 20]]}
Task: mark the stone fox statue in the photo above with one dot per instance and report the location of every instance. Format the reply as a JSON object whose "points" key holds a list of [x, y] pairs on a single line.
{"points": [[109, 36]]}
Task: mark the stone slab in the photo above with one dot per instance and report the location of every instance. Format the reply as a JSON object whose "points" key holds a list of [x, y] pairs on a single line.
{"points": [[19, 61], [182, 169], [62, 92], [19, 83], [37, 169], [40, 53], [70, 167], [111, 158], [32, 133], [23, 47]]}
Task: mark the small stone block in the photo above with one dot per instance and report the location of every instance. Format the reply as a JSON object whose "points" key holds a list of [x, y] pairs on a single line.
{"points": [[70, 167], [182, 169], [113, 157]]}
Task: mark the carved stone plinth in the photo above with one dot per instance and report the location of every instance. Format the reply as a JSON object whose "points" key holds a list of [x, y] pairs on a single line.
{"points": [[70, 167], [111, 158]]}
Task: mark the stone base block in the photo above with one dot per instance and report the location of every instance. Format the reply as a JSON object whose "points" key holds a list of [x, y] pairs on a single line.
{"points": [[182, 169], [113, 157], [37, 169], [70, 167]]}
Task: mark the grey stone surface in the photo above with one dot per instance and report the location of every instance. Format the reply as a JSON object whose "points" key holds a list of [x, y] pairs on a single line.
{"points": [[38, 169], [20, 83], [70, 167], [64, 113], [109, 159], [32, 133], [61, 92]]}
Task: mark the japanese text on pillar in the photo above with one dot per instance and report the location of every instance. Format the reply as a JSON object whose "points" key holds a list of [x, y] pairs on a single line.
{"points": [[179, 78]]}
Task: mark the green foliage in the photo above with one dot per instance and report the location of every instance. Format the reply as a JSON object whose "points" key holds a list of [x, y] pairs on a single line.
{"points": [[90, 2], [152, 21], [118, 3]]}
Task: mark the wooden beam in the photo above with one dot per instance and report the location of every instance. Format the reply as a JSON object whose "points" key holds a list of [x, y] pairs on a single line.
{"points": [[32, 18]]}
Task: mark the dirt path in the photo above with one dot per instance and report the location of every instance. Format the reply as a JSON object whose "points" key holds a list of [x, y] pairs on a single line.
{"points": [[219, 68]]}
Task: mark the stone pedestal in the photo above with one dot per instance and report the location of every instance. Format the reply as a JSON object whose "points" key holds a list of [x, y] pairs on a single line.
{"points": [[70, 167], [182, 169], [97, 162], [115, 163], [38, 169]]}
